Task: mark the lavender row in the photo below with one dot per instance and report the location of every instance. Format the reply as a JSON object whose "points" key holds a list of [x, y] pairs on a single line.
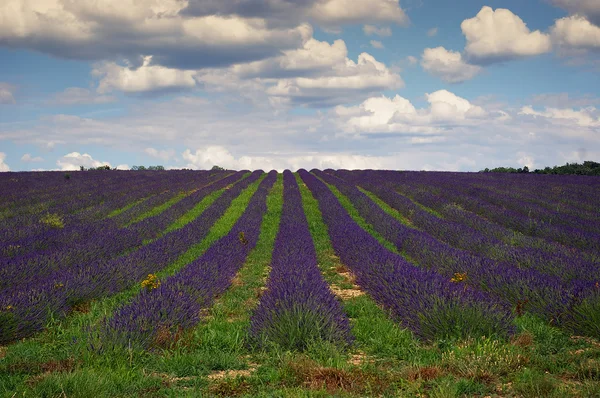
{"points": [[72, 196], [79, 244], [567, 267], [152, 227], [298, 306], [527, 290], [104, 241], [583, 241], [54, 239], [561, 192], [167, 193], [510, 200], [25, 310], [425, 302], [536, 246], [112, 197], [175, 304]]}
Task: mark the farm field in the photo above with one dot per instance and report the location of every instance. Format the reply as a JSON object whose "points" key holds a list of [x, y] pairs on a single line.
{"points": [[321, 283]]}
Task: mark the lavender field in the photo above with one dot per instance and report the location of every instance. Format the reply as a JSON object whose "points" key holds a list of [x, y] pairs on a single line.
{"points": [[320, 283]]}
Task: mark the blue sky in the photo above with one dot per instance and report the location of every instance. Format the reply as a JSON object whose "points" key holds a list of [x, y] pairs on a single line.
{"points": [[384, 84]]}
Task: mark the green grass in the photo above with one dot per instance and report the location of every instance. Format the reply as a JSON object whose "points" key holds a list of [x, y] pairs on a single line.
{"points": [[116, 212], [158, 209], [68, 338], [385, 360]]}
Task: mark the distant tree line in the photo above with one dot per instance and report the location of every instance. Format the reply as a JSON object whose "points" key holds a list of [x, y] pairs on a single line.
{"points": [[105, 167], [151, 168], [587, 168], [135, 168]]}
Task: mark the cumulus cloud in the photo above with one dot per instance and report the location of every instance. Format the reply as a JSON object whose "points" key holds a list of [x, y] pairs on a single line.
{"points": [[399, 115], [80, 96], [525, 159], [315, 57], [347, 81], [3, 166], [6, 93], [500, 35], [577, 32], [146, 78], [406, 136], [165, 155], [205, 158], [412, 60], [432, 32], [73, 161], [28, 158], [179, 34], [448, 65], [587, 8], [327, 13], [585, 117], [376, 44], [374, 30], [357, 11], [110, 29]]}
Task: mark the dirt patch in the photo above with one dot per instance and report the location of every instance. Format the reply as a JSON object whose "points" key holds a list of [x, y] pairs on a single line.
{"points": [[346, 294], [588, 340], [425, 373], [237, 281], [63, 365], [359, 358], [523, 340], [222, 374], [308, 374], [349, 278]]}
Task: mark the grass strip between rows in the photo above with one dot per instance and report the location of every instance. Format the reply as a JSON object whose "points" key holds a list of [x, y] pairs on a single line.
{"points": [[122, 372]]}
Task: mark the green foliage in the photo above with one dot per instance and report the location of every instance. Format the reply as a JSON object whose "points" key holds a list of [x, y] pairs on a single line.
{"points": [[99, 168], [150, 168], [217, 168], [588, 168], [53, 220]]}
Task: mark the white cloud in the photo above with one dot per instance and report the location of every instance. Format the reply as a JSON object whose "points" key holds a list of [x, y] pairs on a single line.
{"points": [[80, 96], [432, 32], [376, 44], [412, 60], [447, 106], [73, 161], [576, 31], [207, 157], [3, 166], [446, 133], [588, 8], [106, 29], [6, 93], [356, 11], [165, 155], [399, 115], [586, 117], [448, 65], [28, 158], [501, 35], [526, 159], [143, 79], [348, 81], [314, 57], [374, 30], [122, 167]]}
